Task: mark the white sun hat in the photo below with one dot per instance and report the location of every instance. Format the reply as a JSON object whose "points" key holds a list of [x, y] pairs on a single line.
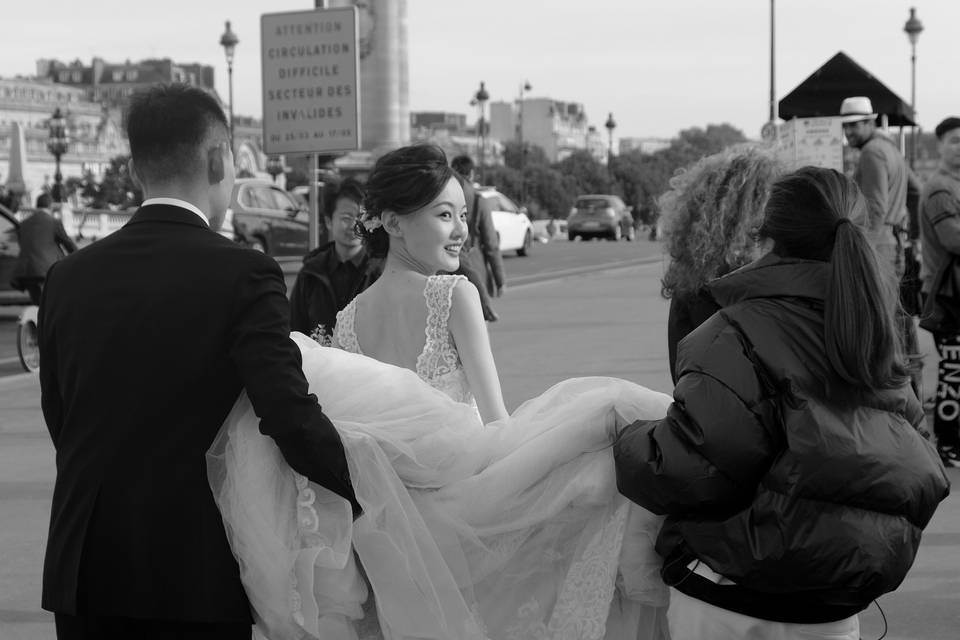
{"points": [[856, 109]]}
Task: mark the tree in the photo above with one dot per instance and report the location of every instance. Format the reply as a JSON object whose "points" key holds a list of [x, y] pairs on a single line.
{"points": [[117, 186], [589, 176]]}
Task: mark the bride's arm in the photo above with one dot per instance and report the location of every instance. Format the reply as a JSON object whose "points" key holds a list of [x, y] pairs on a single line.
{"points": [[469, 333]]}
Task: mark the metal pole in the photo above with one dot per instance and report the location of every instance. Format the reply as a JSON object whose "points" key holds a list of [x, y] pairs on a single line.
{"points": [[313, 230], [913, 102], [313, 227], [230, 77], [773, 91], [523, 182], [58, 181]]}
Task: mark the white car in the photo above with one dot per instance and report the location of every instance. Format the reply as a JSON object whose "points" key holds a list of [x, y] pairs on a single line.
{"points": [[514, 229]]}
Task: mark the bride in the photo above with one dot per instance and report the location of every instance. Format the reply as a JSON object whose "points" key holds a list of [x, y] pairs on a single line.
{"points": [[477, 523]]}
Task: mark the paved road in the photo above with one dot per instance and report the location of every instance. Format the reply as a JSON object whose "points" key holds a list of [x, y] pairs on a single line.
{"points": [[602, 323], [545, 261]]}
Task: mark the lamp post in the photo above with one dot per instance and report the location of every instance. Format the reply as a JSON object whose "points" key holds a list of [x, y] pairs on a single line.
{"points": [[57, 145], [523, 150], [229, 42], [274, 167], [912, 28], [610, 124], [481, 97]]}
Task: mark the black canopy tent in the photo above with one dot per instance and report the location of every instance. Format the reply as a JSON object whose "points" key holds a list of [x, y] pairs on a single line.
{"points": [[840, 77]]}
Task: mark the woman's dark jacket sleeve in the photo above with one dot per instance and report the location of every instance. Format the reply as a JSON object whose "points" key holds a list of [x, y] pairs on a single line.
{"points": [[711, 449]]}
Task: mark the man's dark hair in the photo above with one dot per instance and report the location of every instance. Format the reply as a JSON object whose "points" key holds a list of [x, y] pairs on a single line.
{"points": [[463, 165], [44, 201], [169, 126], [947, 126], [349, 188]]}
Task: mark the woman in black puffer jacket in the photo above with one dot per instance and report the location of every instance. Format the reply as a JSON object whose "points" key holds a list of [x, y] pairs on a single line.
{"points": [[793, 466]]}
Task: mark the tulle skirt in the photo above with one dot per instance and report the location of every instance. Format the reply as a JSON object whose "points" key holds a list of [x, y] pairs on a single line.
{"points": [[510, 530]]}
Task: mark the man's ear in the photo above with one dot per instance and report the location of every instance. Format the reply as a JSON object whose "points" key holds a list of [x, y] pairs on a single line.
{"points": [[391, 223], [132, 170], [215, 165]]}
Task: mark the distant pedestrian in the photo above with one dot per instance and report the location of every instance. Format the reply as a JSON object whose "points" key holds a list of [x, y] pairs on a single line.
{"points": [[883, 177], [335, 273], [940, 235], [480, 260], [43, 241], [793, 466], [711, 212]]}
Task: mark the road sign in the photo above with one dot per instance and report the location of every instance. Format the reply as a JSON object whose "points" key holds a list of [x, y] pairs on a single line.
{"points": [[311, 98]]}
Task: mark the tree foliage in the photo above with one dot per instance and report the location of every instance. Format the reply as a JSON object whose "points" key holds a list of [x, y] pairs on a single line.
{"points": [[638, 178]]}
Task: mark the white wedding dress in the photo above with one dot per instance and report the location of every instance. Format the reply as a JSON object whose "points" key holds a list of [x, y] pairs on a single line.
{"points": [[510, 530]]}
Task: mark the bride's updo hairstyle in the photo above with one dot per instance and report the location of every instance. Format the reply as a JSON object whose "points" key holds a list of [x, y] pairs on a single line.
{"points": [[403, 181], [809, 216]]}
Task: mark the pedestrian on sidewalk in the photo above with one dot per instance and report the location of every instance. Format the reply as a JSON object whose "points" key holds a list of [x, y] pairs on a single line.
{"points": [[337, 272], [711, 212], [43, 242], [480, 259], [793, 466], [940, 235]]}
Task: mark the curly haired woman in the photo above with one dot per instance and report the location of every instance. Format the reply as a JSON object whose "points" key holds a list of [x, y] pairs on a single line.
{"points": [[710, 216]]}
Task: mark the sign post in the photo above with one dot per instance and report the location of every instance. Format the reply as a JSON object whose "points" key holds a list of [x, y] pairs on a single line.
{"points": [[311, 98]]}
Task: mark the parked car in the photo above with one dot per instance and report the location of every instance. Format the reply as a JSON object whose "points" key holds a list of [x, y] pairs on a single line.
{"points": [[600, 216], [266, 218], [514, 229], [9, 250]]}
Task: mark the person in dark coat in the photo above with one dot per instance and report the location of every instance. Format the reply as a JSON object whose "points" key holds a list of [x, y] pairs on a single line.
{"points": [[147, 338], [480, 260], [793, 467], [337, 272], [711, 212], [43, 241]]}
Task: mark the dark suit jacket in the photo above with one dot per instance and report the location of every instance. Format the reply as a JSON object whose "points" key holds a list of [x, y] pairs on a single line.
{"points": [[147, 338], [482, 247], [43, 241]]}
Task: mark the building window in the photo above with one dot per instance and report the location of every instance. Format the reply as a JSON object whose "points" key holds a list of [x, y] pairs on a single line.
{"points": [[117, 75], [131, 75], [64, 76], [77, 76]]}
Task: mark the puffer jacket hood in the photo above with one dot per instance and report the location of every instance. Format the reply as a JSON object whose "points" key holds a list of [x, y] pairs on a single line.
{"points": [[812, 509]]}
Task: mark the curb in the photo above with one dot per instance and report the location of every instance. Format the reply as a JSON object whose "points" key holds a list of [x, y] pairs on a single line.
{"points": [[18, 379]]}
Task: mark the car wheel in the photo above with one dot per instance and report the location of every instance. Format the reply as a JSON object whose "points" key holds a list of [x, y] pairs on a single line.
{"points": [[524, 251], [571, 236], [259, 244]]}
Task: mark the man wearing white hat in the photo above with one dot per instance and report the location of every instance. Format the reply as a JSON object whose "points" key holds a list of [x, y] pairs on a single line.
{"points": [[882, 176]]}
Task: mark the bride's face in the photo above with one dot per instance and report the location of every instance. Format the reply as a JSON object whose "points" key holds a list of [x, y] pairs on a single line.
{"points": [[434, 235]]}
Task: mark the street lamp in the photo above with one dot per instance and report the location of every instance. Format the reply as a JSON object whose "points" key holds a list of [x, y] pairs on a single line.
{"points": [[274, 167], [523, 151], [610, 125], [481, 97], [57, 145], [229, 42], [912, 28]]}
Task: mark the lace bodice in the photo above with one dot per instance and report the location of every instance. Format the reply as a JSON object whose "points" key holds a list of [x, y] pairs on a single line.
{"points": [[439, 363]]}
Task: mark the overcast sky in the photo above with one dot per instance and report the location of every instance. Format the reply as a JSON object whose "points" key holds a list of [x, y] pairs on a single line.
{"points": [[658, 65]]}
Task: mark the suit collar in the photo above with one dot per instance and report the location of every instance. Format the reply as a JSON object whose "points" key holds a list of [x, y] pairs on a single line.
{"points": [[167, 213]]}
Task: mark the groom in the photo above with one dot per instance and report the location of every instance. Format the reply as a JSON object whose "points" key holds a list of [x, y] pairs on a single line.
{"points": [[147, 338]]}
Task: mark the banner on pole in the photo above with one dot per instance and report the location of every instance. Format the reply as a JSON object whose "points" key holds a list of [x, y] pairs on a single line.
{"points": [[311, 97]]}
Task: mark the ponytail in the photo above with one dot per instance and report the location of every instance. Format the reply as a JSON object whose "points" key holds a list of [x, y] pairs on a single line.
{"points": [[859, 327], [808, 216]]}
